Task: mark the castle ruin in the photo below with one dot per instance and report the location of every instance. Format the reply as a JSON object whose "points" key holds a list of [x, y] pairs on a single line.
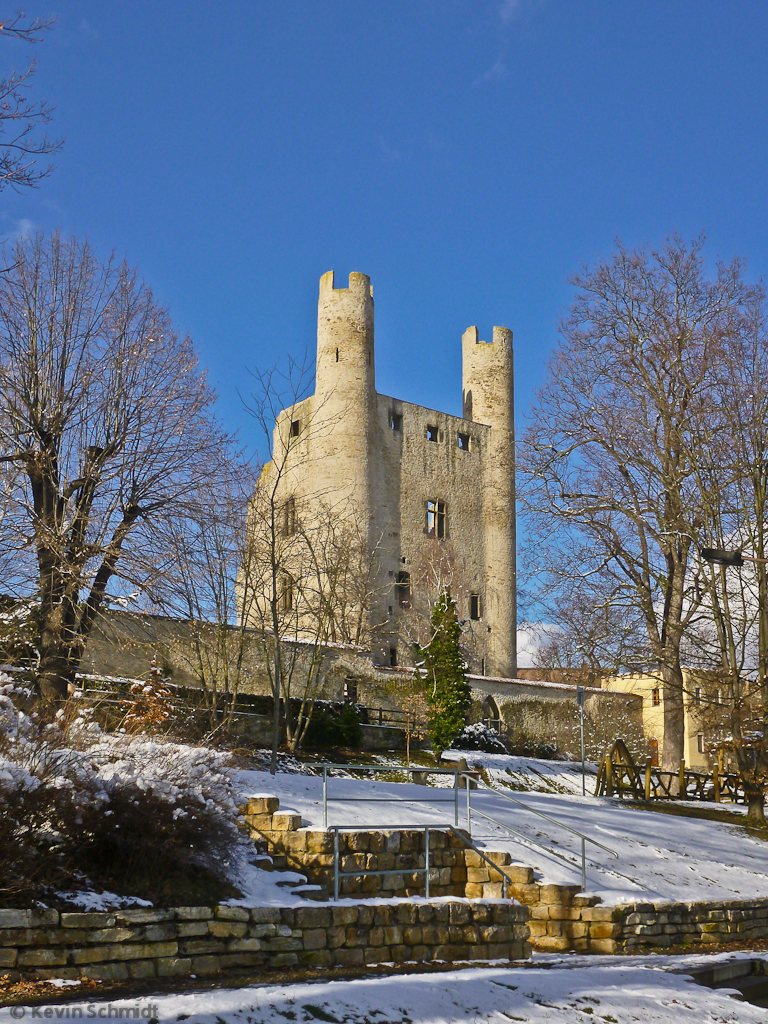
{"points": [[433, 494]]}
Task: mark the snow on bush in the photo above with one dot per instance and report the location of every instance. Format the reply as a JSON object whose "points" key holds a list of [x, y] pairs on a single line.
{"points": [[115, 807], [479, 737]]}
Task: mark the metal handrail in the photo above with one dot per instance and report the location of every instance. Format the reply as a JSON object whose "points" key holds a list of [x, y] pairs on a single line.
{"points": [[434, 827], [541, 814], [505, 877], [526, 807], [470, 780], [389, 799]]}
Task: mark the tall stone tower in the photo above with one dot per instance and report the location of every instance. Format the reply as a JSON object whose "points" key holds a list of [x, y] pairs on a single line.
{"points": [[431, 495], [488, 397], [345, 389]]}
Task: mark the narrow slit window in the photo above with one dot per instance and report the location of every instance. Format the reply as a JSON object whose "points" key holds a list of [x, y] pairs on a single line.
{"points": [[393, 656], [655, 696], [700, 742], [337, 355], [463, 442], [289, 517], [433, 434], [436, 519], [295, 428], [474, 606], [396, 421], [287, 597], [697, 697]]}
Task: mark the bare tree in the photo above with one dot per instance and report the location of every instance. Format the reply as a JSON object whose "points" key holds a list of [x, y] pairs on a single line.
{"points": [[105, 422], [611, 455], [20, 117], [308, 578], [435, 570], [208, 547]]}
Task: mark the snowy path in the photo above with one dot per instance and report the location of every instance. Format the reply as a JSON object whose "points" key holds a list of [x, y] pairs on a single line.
{"points": [[620, 990], [660, 856]]}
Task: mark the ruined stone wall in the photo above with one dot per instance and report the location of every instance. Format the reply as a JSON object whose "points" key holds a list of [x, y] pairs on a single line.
{"points": [[413, 471], [382, 459], [125, 945], [535, 721]]}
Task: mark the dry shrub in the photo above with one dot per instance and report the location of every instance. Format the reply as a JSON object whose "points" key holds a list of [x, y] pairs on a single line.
{"points": [[118, 812]]}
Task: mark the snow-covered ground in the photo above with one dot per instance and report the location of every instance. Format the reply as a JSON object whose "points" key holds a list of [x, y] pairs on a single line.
{"points": [[551, 990], [660, 857]]}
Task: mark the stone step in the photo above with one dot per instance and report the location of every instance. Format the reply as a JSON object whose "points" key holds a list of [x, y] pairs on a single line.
{"points": [[312, 892]]}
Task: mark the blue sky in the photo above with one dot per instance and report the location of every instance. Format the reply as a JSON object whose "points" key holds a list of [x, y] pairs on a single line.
{"points": [[468, 155]]}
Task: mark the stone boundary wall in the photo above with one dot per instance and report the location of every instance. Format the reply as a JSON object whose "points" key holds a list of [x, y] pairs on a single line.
{"points": [[130, 944], [633, 927]]}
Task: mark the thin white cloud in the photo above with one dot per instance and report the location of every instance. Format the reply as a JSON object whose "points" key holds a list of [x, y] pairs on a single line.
{"points": [[527, 646], [86, 29], [389, 152], [24, 228], [511, 10], [497, 73]]}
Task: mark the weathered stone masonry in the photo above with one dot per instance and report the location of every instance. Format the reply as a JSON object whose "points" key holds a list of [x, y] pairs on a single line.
{"points": [[425, 485], [132, 944]]}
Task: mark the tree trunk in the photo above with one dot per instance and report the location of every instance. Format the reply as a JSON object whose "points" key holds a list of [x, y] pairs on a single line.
{"points": [[755, 798], [673, 749]]}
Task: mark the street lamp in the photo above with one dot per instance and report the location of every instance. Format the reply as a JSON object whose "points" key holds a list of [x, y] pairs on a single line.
{"points": [[722, 556]]}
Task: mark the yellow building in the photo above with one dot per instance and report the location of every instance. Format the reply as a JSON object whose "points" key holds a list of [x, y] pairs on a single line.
{"points": [[704, 707]]}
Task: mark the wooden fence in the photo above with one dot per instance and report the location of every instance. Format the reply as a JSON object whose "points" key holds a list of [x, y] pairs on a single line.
{"points": [[620, 776]]}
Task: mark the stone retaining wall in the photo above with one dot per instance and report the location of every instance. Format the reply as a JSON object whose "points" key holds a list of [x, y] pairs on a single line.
{"points": [[145, 943], [635, 926]]}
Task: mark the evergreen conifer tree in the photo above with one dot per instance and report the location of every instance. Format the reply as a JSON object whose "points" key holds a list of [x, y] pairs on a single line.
{"points": [[447, 690]]}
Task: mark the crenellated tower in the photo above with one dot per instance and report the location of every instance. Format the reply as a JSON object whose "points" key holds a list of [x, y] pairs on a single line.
{"points": [[488, 397], [345, 388]]}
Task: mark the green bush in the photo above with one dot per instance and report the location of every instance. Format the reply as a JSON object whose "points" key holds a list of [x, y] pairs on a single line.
{"points": [[334, 725]]}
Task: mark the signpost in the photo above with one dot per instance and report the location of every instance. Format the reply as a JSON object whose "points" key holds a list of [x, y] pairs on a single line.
{"points": [[580, 702]]}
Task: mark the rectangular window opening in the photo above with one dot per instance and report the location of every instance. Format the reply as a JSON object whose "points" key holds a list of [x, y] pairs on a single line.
{"points": [[396, 421], [700, 743], [350, 690], [655, 696], [403, 589], [295, 428], [463, 442], [436, 519], [287, 595], [697, 697], [433, 434], [393, 656], [289, 517], [474, 606]]}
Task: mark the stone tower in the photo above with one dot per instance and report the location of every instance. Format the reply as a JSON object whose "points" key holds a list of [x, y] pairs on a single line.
{"points": [[432, 495], [345, 388], [488, 397]]}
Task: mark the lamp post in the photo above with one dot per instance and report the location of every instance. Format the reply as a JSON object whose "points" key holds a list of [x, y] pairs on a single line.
{"points": [[727, 557], [580, 702]]}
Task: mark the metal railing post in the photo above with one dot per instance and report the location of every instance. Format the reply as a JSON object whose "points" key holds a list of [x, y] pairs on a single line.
{"points": [[583, 865], [426, 861], [467, 787], [325, 798], [336, 864], [456, 797]]}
